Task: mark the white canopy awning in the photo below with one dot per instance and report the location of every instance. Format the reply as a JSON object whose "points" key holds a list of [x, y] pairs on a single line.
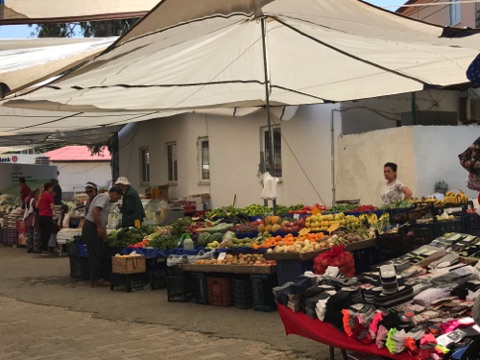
{"points": [[44, 11], [27, 61], [209, 54]]}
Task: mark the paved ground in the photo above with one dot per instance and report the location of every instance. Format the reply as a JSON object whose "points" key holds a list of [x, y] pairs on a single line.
{"points": [[45, 314]]}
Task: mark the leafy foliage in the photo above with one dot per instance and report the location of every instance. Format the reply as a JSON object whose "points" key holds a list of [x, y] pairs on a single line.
{"points": [[86, 29]]}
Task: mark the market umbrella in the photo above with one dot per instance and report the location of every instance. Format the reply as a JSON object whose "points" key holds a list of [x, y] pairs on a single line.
{"points": [[185, 56]]}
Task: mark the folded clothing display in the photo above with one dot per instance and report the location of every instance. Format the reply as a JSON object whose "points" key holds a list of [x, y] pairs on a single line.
{"points": [[404, 293], [427, 296]]}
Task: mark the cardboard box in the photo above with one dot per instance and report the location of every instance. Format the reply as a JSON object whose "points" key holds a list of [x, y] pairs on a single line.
{"points": [[159, 192], [129, 264]]}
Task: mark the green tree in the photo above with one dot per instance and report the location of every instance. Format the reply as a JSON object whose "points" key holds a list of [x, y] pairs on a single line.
{"points": [[86, 29]]}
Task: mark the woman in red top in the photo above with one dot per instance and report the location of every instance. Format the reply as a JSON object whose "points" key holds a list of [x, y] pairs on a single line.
{"points": [[45, 215]]}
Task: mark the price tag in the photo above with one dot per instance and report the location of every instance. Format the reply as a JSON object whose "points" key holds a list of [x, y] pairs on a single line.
{"points": [[296, 216], [221, 256]]}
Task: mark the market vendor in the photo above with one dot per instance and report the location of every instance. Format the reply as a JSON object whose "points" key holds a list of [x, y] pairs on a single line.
{"points": [[393, 190], [94, 232], [131, 207]]}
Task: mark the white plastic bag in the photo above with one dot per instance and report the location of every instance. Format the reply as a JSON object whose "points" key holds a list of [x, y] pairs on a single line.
{"points": [[269, 187]]}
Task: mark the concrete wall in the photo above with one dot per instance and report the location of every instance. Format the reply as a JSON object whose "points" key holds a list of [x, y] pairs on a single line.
{"points": [[436, 154], [439, 14], [73, 176], [361, 158], [424, 155], [234, 155]]}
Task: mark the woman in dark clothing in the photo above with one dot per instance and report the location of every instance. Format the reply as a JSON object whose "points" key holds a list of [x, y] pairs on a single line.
{"points": [[30, 219]]}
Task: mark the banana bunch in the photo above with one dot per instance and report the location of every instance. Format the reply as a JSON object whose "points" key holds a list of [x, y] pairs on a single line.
{"points": [[434, 201], [452, 197], [369, 218]]}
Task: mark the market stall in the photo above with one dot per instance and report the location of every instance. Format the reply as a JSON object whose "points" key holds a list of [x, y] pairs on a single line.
{"points": [[413, 306], [300, 324]]}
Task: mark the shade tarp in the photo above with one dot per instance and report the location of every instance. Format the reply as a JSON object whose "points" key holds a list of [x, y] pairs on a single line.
{"points": [[208, 55], [185, 56], [27, 61], [44, 11], [35, 128]]}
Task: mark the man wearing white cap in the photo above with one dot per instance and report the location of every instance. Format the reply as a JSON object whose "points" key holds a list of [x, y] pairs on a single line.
{"points": [[132, 207]]}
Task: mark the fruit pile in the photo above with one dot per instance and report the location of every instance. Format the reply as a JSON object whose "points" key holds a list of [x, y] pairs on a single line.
{"points": [[323, 222], [289, 240], [271, 224], [240, 259]]}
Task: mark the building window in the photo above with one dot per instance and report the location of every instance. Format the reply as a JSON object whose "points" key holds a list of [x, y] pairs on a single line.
{"points": [[454, 11], [277, 150], [172, 161], [477, 15], [145, 165], [204, 157]]}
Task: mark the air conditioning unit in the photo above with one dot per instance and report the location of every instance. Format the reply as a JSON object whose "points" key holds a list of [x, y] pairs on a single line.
{"points": [[469, 110]]}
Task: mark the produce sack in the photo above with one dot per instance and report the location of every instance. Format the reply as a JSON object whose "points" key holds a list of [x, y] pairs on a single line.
{"points": [[338, 257], [470, 158]]}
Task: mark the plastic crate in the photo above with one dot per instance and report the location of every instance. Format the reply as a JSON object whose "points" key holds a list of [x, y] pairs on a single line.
{"points": [[75, 270], [82, 249], [201, 287], [432, 230], [71, 248], [445, 226], [130, 282], [180, 288], [290, 270], [157, 279], [262, 288], [220, 291], [364, 259], [175, 270], [390, 245], [84, 268], [417, 211], [471, 222], [242, 292]]}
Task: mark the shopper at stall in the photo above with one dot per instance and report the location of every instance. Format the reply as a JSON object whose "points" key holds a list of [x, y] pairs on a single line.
{"points": [[131, 207], [393, 190], [45, 216], [94, 232], [24, 190], [30, 219]]}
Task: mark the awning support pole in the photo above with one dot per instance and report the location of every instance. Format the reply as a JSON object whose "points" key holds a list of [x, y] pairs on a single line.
{"points": [[267, 96]]}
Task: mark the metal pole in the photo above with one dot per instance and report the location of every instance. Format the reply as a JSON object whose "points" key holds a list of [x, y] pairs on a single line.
{"points": [[267, 95], [414, 109], [332, 154]]}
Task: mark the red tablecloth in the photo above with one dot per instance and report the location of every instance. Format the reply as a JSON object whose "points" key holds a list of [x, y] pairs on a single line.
{"points": [[300, 324]]}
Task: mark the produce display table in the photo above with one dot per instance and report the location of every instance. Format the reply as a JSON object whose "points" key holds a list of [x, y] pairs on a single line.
{"points": [[359, 245], [300, 324], [292, 265], [231, 269]]}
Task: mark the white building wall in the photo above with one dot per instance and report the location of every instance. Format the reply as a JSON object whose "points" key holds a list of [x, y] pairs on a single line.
{"points": [[424, 155], [361, 158], [235, 155], [73, 176], [436, 153]]}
